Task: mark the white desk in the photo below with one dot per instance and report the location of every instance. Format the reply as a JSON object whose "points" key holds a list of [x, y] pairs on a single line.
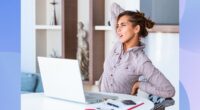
{"points": [[37, 101]]}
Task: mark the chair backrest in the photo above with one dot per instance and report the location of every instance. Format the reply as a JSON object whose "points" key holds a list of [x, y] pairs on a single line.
{"points": [[160, 103]]}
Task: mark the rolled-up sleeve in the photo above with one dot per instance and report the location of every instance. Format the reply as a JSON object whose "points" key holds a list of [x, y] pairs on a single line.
{"points": [[156, 83]]}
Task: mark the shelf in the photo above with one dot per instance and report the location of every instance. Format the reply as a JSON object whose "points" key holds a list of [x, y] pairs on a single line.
{"points": [[57, 27], [156, 28], [102, 27], [165, 29]]}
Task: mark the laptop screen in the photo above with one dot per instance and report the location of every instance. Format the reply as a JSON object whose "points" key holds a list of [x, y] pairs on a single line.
{"points": [[61, 78]]}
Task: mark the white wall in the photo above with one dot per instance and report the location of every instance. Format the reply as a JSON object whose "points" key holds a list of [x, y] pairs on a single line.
{"points": [[27, 36]]}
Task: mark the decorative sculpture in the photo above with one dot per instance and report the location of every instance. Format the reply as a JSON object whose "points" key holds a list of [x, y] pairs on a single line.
{"points": [[53, 18], [83, 51], [54, 54]]}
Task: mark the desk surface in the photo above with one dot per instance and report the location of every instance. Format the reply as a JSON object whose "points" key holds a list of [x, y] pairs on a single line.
{"points": [[38, 101]]}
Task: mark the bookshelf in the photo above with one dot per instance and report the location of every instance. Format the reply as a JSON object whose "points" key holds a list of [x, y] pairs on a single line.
{"points": [[48, 38]]}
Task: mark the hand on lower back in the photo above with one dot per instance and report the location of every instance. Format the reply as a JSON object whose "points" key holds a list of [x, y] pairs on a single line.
{"points": [[135, 88]]}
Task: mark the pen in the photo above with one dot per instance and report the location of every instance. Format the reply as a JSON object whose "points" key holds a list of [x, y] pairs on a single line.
{"points": [[90, 109], [112, 105], [135, 106]]}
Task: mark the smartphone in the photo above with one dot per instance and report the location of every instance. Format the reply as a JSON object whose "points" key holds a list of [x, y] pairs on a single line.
{"points": [[128, 102]]}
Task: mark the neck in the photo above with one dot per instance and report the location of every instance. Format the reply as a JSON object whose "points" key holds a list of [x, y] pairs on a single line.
{"points": [[135, 41]]}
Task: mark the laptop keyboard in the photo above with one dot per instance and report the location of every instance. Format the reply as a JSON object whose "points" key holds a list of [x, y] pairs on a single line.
{"points": [[98, 96]]}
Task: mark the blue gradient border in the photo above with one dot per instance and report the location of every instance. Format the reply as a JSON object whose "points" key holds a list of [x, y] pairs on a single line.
{"points": [[189, 54], [10, 54]]}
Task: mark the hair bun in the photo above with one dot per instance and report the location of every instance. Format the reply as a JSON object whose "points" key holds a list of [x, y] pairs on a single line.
{"points": [[149, 23]]}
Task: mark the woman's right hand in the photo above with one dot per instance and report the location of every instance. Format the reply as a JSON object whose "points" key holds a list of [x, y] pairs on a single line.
{"points": [[135, 88]]}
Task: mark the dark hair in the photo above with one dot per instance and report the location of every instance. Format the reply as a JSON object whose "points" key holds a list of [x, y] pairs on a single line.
{"points": [[138, 18]]}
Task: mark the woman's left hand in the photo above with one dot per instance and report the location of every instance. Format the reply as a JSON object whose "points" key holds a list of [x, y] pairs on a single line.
{"points": [[135, 88]]}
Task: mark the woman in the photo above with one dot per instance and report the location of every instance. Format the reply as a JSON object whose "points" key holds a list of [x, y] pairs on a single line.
{"points": [[127, 61]]}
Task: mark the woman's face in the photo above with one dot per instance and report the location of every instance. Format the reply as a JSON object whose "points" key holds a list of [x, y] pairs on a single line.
{"points": [[125, 29]]}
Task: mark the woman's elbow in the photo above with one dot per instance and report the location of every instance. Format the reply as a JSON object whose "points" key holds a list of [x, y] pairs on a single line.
{"points": [[171, 93]]}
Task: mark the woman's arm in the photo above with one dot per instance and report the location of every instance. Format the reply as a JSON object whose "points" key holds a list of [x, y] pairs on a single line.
{"points": [[156, 83], [115, 11]]}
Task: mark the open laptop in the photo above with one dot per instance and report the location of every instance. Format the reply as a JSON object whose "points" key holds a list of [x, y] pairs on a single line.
{"points": [[61, 79]]}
